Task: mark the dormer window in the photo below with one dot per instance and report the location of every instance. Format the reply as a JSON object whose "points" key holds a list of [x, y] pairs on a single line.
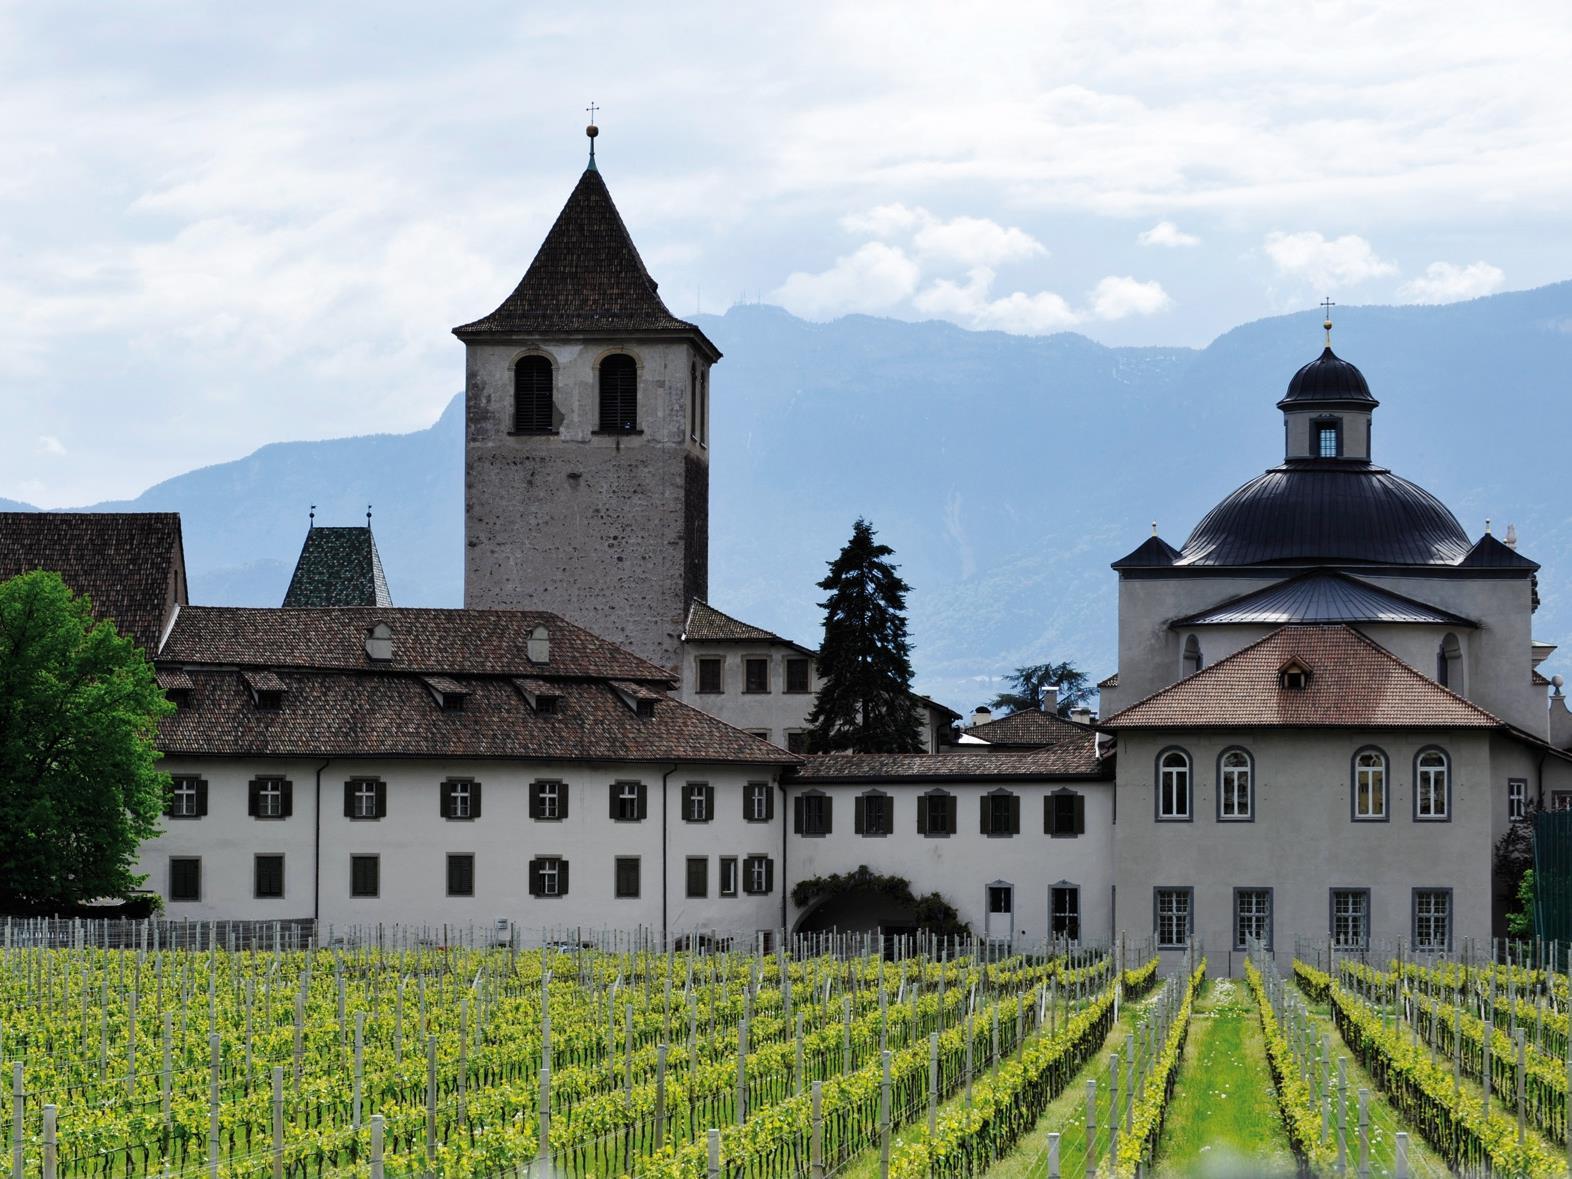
{"points": [[637, 697], [644, 709], [546, 705], [542, 696], [1293, 676], [379, 643], [177, 686], [267, 690], [449, 694], [1328, 438]]}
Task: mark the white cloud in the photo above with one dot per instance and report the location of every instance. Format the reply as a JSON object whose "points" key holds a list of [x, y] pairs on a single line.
{"points": [[886, 221], [1166, 233], [975, 241], [874, 278], [50, 445], [1118, 296], [1323, 262], [1446, 282]]}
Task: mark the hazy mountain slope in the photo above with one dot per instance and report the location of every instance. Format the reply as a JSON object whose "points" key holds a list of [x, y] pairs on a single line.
{"points": [[1006, 471]]}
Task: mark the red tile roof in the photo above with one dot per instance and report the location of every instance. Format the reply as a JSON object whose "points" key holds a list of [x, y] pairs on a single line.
{"points": [[131, 564], [1069, 759], [708, 625], [380, 713], [1354, 683], [1029, 727], [475, 642]]}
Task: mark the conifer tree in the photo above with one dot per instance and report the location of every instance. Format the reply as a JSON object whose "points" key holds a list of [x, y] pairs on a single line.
{"points": [[865, 702]]}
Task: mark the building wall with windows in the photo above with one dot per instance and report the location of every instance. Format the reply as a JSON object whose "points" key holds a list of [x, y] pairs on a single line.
{"points": [[1301, 839], [411, 835]]}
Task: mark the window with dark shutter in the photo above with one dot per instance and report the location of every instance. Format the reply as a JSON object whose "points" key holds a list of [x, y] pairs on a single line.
{"points": [[797, 674], [187, 798], [185, 878], [698, 802], [365, 798], [365, 876], [709, 674], [758, 875], [460, 799], [548, 800], [1064, 813], [936, 813], [628, 802], [698, 876], [619, 394], [268, 877], [626, 876], [813, 814], [758, 802], [756, 675], [269, 798], [728, 876], [532, 381], [1001, 813], [461, 874]]}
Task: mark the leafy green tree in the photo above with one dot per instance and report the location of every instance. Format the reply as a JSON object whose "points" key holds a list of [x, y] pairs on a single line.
{"points": [[1026, 686], [79, 783], [1520, 922], [865, 698], [1514, 864]]}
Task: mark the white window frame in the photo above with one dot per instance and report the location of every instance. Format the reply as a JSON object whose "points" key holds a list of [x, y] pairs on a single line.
{"points": [[1428, 921], [729, 876], [1257, 912], [365, 799], [547, 868], [458, 799], [1173, 775], [627, 802], [1517, 798], [270, 798], [1072, 892], [758, 867], [1368, 774], [550, 798], [698, 810], [1174, 905], [1236, 786], [1351, 913], [1426, 780], [758, 802], [183, 799]]}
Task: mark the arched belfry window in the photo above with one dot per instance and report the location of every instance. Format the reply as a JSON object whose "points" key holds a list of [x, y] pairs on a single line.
{"points": [[532, 388], [619, 393], [1192, 655]]}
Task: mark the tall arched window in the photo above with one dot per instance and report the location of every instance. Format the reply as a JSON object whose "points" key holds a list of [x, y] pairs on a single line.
{"points": [[532, 381], [619, 393], [1370, 784], [1432, 782], [1192, 655], [1234, 782], [1173, 785], [1449, 663]]}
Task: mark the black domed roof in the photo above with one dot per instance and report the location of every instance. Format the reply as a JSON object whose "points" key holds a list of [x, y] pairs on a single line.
{"points": [[1328, 378], [1327, 510]]}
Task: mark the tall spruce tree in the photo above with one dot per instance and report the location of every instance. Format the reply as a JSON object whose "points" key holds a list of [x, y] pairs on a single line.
{"points": [[865, 700]]}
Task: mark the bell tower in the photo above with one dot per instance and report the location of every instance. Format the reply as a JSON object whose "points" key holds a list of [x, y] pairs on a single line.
{"points": [[586, 458], [1327, 409]]}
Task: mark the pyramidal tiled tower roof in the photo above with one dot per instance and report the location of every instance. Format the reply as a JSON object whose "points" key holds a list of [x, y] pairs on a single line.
{"points": [[586, 277], [338, 567]]}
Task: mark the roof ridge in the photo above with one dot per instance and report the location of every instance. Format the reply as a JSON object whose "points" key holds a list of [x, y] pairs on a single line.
{"points": [[1320, 571]]}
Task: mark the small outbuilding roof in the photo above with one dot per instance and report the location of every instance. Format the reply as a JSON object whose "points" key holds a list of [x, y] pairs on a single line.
{"points": [[1321, 595]]}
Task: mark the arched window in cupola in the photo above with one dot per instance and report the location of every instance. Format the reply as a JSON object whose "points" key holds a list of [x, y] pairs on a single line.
{"points": [[532, 390], [619, 394], [1192, 656]]}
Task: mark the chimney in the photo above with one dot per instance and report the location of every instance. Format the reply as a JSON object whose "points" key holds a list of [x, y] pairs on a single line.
{"points": [[538, 648], [1511, 536], [1051, 698], [982, 716], [379, 643], [1081, 716]]}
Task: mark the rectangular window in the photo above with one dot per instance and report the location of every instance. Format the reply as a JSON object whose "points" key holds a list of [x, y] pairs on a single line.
{"points": [[798, 673], [1328, 439], [548, 800], [1433, 919], [709, 674], [1064, 813], [1001, 814], [365, 876], [185, 878], [458, 799], [626, 883], [697, 806], [1173, 917], [1064, 903], [698, 876], [1350, 918], [758, 802], [269, 798], [187, 798], [936, 814], [1252, 917], [268, 877], [461, 874], [627, 801], [876, 814], [756, 674], [1517, 798], [728, 876], [813, 814], [1000, 898], [761, 734], [1561, 800], [796, 741], [364, 797], [548, 876], [758, 875]]}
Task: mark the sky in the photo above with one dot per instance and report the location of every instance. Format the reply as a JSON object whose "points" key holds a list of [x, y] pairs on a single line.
{"points": [[223, 225]]}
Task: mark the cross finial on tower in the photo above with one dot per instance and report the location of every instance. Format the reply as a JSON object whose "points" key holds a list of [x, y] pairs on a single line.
{"points": [[368, 515], [592, 131], [313, 515], [1327, 305]]}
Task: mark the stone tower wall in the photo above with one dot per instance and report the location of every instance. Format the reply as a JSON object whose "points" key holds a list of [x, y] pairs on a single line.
{"points": [[608, 530]]}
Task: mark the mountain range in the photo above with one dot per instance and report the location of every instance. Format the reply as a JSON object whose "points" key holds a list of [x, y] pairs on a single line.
{"points": [[1006, 471]]}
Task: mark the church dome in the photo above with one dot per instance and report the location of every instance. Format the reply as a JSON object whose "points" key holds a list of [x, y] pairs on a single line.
{"points": [[1328, 378], [1331, 511]]}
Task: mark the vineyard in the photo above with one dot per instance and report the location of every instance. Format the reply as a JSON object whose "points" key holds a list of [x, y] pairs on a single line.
{"points": [[125, 1063]]}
